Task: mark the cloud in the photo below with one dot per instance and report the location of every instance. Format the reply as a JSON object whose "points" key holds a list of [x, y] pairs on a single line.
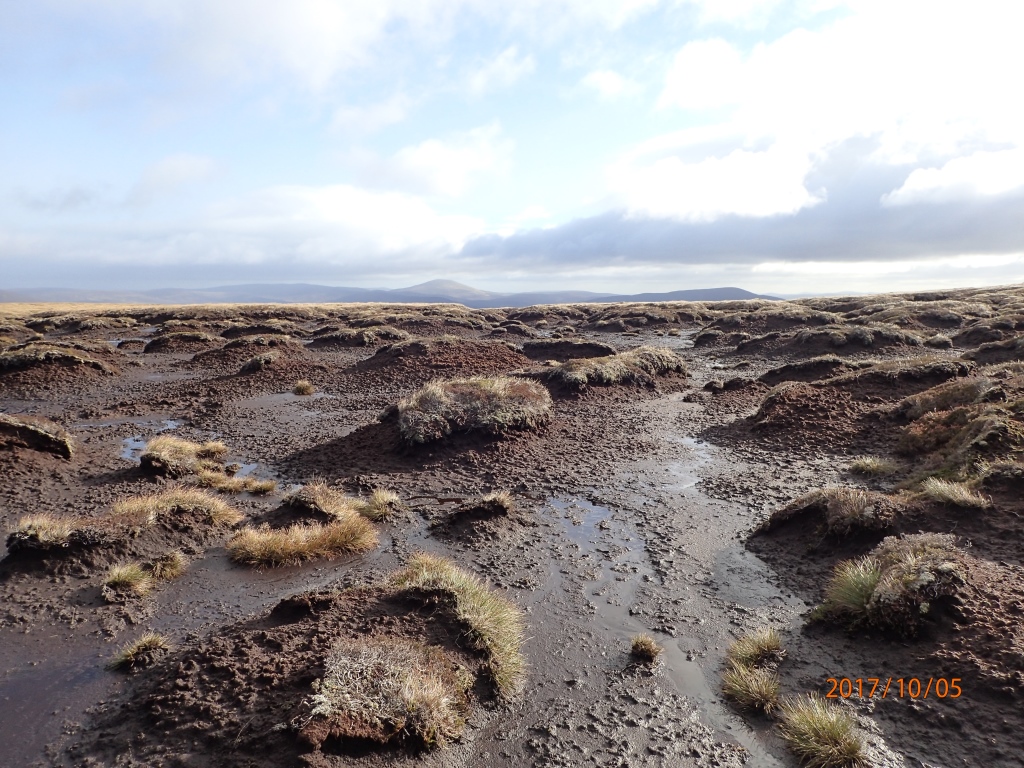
{"points": [[60, 200], [169, 175], [607, 83], [981, 174], [370, 118], [502, 71], [439, 167]]}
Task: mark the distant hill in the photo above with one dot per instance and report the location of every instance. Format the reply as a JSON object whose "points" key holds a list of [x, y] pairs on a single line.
{"points": [[431, 292]]}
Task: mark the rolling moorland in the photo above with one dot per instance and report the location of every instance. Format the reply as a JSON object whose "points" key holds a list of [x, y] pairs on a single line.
{"points": [[613, 534]]}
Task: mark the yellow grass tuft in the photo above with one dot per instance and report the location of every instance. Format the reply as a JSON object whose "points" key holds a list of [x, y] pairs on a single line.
{"points": [[820, 734], [874, 466], [752, 687], [382, 505], [763, 645], [130, 577], [496, 624], [227, 484], [170, 566], [645, 648], [303, 387], [140, 511], [48, 530], [173, 456], [140, 653], [319, 498], [954, 494], [265, 546]]}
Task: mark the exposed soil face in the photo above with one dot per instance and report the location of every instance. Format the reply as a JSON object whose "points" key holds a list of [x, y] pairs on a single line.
{"points": [[634, 511]]}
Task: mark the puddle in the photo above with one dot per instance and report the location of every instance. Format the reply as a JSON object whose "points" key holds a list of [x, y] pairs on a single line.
{"points": [[132, 447], [685, 473]]}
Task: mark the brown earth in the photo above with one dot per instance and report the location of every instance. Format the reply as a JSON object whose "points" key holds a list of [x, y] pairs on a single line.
{"points": [[635, 509]]}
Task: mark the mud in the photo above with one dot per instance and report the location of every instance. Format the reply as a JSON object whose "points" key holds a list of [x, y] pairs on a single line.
{"points": [[635, 512]]}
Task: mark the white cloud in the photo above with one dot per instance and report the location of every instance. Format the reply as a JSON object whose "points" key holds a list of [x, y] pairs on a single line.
{"points": [[964, 178], [440, 167], [608, 83], [168, 175], [370, 118], [706, 73], [687, 177], [501, 71]]}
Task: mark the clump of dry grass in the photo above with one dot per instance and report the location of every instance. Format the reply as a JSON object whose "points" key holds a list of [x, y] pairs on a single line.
{"points": [[874, 466], [303, 387], [142, 511], [501, 499], [382, 505], [751, 680], [894, 585], [944, 397], [380, 689], [38, 434], [635, 366], [140, 653], [953, 493], [492, 405], [645, 648], [319, 498], [820, 734], [265, 546], [170, 566], [762, 646], [228, 484], [495, 623], [169, 455], [46, 530], [258, 363], [845, 509], [129, 577]]}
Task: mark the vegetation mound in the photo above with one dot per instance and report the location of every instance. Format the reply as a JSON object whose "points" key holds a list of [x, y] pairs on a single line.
{"points": [[174, 457], [635, 366], [36, 354], [566, 349], [841, 511], [36, 434], [179, 341], [491, 405]]}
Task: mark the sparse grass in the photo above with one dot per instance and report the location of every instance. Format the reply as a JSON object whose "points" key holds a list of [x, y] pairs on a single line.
{"points": [[173, 456], [845, 509], [140, 653], [227, 484], [141, 511], [762, 646], [383, 688], [820, 734], [638, 366], [382, 505], [502, 499], [265, 546], [129, 577], [645, 648], [495, 623], [170, 566], [35, 433], [303, 387], [752, 687], [954, 494], [952, 394], [493, 405], [874, 466]]}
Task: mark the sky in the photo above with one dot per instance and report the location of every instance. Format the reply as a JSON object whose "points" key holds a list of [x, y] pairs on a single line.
{"points": [[782, 146]]}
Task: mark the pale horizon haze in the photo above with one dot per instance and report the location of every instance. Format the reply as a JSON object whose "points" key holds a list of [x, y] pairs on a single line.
{"points": [[784, 147]]}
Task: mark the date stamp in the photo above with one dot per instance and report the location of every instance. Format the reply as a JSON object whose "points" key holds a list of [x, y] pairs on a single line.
{"points": [[896, 687]]}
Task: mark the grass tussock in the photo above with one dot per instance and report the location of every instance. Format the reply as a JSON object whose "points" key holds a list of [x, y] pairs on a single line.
{"points": [[752, 687], [762, 646], [382, 505], [491, 405], [894, 585], [228, 484], [383, 689], [270, 547], [170, 566], [495, 623], [303, 387], [46, 530], [319, 498], [843, 509], [635, 366], [169, 455], [873, 466], [140, 653], [501, 499], [130, 577], [944, 397], [645, 649], [820, 733], [37, 434], [953, 493], [142, 511]]}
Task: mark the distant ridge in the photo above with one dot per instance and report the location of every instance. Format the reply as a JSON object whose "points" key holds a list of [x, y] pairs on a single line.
{"points": [[431, 292]]}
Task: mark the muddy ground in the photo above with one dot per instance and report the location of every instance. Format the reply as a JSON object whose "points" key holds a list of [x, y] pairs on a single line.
{"points": [[640, 510]]}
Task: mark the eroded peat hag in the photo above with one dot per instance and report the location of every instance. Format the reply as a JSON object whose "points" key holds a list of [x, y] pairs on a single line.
{"points": [[559, 529]]}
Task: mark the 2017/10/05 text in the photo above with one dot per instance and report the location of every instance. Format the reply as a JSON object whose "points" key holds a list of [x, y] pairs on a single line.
{"points": [[902, 687]]}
